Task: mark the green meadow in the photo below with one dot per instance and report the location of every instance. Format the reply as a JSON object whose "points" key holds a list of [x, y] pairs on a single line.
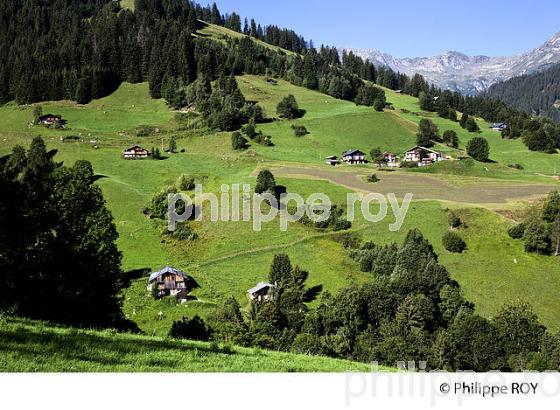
{"points": [[30, 346], [229, 258]]}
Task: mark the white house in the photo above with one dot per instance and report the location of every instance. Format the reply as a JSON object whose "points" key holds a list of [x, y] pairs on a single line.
{"points": [[498, 126], [391, 159], [354, 156], [422, 155]]}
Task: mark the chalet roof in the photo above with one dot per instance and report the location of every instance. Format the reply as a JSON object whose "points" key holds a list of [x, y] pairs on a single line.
{"points": [[135, 148], [422, 148], [352, 152], [49, 116], [167, 269], [498, 125], [332, 157], [260, 286]]}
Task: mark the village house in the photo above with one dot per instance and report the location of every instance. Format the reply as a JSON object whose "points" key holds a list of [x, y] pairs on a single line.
{"points": [[136, 152], [391, 160], [422, 155], [171, 282], [332, 160], [354, 156], [498, 126], [261, 292]]}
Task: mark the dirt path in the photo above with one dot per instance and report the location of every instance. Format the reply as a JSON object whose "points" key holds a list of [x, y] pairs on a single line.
{"points": [[423, 187]]}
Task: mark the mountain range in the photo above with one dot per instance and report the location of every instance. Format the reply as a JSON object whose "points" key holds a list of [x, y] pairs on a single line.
{"points": [[469, 74]]}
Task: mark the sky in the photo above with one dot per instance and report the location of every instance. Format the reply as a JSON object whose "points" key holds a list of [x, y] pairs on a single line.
{"points": [[407, 28]]}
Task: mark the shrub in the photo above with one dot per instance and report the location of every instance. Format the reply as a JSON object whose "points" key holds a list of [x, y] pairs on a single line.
{"points": [[265, 182], [183, 232], [517, 231], [454, 220], [409, 164], [516, 166], [185, 183], [478, 149], [373, 178], [299, 130], [193, 329], [536, 238], [145, 130], [288, 108], [453, 242], [471, 125]]}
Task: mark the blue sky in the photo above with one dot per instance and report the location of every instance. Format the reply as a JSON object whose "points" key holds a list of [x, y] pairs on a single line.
{"points": [[409, 28]]}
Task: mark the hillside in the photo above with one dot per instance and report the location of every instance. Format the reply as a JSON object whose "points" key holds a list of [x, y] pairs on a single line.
{"points": [[536, 94], [227, 259], [30, 346]]}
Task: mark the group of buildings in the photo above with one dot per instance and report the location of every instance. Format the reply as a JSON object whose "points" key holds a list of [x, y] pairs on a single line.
{"points": [[422, 156], [174, 282]]}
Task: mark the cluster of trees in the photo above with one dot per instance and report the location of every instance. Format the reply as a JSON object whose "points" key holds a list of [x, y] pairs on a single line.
{"points": [[427, 133], [58, 257], [371, 96], [288, 108], [410, 310], [540, 230]]}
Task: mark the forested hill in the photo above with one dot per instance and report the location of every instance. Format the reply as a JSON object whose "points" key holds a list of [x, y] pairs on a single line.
{"points": [[84, 49], [536, 94]]}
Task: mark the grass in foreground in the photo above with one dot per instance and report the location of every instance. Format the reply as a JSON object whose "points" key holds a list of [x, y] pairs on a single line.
{"points": [[31, 346]]}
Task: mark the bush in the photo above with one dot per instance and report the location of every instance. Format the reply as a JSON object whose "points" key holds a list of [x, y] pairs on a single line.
{"points": [[183, 232], [185, 183], [299, 130], [265, 182], [454, 220], [145, 130], [373, 178], [453, 242], [516, 166], [409, 164], [536, 238], [471, 125], [288, 108], [478, 149], [193, 329], [238, 141], [517, 231]]}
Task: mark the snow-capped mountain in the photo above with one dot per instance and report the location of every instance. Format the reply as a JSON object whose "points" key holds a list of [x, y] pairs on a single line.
{"points": [[469, 74]]}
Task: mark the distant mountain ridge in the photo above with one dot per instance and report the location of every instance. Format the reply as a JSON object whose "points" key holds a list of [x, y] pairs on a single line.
{"points": [[469, 74]]}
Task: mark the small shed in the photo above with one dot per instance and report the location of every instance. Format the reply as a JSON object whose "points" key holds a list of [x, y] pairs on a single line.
{"points": [[261, 292], [332, 160]]}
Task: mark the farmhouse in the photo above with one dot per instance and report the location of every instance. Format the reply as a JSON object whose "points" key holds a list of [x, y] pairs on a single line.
{"points": [[498, 126], [136, 152], [171, 282], [261, 292], [332, 160], [391, 159], [422, 155], [354, 156], [50, 119]]}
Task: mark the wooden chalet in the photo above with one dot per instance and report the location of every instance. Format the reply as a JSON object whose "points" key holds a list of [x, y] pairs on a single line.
{"points": [[354, 156], [136, 152], [50, 119], [423, 156], [171, 282], [261, 292]]}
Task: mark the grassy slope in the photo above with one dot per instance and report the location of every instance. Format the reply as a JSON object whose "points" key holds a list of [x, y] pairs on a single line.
{"points": [[29, 346], [228, 259]]}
